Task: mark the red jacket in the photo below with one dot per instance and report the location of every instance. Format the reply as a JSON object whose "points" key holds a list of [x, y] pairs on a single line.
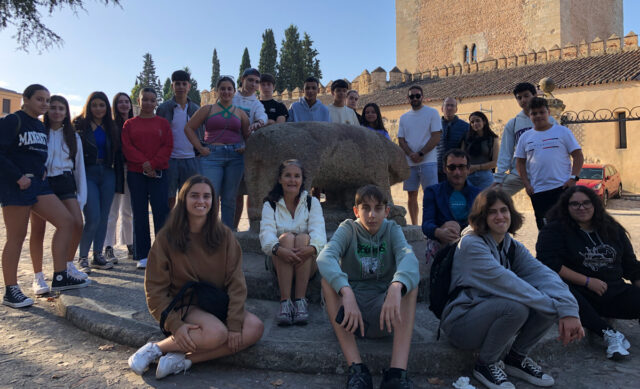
{"points": [[147, 139]]}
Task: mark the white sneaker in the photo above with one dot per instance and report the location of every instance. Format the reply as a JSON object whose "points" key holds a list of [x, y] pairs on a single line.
{"points": [[142, 264], [172, 363], [40, 286], [139, 362], [73, 271], [615, 344]]}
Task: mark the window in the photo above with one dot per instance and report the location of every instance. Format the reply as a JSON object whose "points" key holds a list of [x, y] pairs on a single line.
{"points": [[622, 130], [465, 54], [474, 53], [6, 106]]}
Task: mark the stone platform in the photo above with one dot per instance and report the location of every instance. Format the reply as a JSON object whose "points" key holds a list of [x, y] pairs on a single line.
{"points": [[114, 308]]}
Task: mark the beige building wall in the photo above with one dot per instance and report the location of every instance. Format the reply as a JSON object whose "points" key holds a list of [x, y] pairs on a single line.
{"points": [[433, 33], [15, 102], [599, 141]]}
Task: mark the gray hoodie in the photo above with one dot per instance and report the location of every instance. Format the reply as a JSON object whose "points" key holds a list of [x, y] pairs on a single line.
{"points": [[485, 272], [360, 260]]}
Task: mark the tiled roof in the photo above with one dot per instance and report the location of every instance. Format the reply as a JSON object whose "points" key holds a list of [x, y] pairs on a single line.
{"points": [[603, 69]]}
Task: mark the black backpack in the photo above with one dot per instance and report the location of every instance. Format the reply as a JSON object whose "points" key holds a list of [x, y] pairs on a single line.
{"points": [[440, 277]]}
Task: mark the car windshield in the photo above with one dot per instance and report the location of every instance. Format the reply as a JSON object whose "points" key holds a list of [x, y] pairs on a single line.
{"points": [[591, 173]]}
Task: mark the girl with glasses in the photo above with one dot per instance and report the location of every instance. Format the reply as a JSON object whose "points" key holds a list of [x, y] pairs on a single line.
{"points": [[593, 254]]}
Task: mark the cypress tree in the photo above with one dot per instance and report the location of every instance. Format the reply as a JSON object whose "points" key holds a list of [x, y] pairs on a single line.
{"points": [[194, 92], [268, 53], [244, 64], [290, 72], [311, 65], [167, 93], [215, 69], [147, 77]]}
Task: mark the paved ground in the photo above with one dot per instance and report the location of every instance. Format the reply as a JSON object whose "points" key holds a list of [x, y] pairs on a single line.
{"points": [[40, 349]]}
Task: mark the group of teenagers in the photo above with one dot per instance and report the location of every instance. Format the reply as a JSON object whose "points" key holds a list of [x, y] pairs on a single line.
{"points": [[194, 283]]}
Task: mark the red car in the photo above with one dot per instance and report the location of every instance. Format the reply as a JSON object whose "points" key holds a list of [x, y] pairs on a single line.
{"points": [[603, 179]]}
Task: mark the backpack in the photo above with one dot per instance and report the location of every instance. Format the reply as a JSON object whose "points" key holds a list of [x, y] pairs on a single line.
{"points": [[440, 278], [273, 204]]}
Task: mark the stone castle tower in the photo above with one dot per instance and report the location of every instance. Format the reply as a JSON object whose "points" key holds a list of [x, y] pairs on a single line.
{"points": [[432, 33]]}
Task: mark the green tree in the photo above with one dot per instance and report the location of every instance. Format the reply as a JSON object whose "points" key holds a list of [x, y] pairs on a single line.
{"points": [[166, 90], [244, 64], [289, 68], [147, 77], [134, 92], [268, 53], [194, 92], [215, 69], [25, 16], [311, 65]]}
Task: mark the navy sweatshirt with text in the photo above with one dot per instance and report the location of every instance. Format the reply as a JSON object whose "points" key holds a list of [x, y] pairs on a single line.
{"points": [[23, 151]]}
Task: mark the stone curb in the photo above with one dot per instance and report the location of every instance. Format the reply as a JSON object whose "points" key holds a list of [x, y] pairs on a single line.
{"points": [[305, 354]]}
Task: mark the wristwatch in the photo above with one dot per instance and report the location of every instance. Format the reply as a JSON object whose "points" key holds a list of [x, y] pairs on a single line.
{"points": [[420, 153], [575, 178], [274, 249]]}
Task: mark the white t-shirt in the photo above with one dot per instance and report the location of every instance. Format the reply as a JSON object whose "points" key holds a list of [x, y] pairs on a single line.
{"points": [[548, 156], [416, 128], [343, 115], [182, 148]]}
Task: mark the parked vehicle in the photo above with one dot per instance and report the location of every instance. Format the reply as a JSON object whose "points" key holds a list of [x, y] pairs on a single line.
{"points": [[604, 179]]}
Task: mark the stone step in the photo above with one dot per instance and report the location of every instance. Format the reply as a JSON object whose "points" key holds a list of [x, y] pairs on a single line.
{"points": [[262, 283]]}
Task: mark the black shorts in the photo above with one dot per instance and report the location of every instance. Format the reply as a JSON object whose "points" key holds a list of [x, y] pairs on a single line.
{"points": [[11, 194], [63, 185]]}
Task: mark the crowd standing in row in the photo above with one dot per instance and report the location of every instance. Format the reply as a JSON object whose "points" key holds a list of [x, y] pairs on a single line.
{"points": [[52, 171]]}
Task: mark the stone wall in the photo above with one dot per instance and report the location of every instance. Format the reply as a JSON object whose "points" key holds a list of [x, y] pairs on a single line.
{"points": [[432, 33]]}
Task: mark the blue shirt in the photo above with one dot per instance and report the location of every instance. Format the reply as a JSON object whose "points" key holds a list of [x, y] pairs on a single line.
{"points": [[101, 141], [458, 206], [301, 112], [453, 132], [436, 209]]}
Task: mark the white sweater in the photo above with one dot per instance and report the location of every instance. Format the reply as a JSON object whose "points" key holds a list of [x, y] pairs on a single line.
{"points": [[276, 223], [58, 162], [251, 106]]}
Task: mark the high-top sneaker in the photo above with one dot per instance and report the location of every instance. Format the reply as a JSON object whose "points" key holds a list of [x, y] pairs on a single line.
{"points": [[64, 281]]}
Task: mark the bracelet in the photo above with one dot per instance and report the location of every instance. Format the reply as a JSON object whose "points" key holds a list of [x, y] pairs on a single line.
{"points": [[274, 249], [587, 282]]}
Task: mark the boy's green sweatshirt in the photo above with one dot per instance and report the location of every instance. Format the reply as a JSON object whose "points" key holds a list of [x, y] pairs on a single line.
{"points": [[360, 260]]}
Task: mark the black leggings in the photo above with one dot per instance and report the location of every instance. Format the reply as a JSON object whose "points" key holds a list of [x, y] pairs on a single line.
{"points": [[620, 301], [542, 203]]}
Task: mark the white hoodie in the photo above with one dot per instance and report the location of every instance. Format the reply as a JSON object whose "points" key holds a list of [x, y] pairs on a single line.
{"points": [[58, 162], [251, 106]]}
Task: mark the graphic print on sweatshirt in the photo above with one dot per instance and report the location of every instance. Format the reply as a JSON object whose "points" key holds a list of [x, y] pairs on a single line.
{"points": [[519, 133], [598, 257], [370, 262], [33, 140]]}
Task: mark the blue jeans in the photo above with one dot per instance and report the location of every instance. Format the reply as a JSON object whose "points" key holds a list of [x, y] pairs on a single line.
{"points": [[180, 170], [224, 167], [144, 191], [101, 186], [481, 179]]}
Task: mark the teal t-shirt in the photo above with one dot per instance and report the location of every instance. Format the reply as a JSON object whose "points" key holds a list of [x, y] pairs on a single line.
{"points": [[458, 206]]}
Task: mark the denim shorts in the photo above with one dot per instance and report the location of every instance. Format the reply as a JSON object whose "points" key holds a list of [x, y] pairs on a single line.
{"points": [[425, 174], [11, 194], [63, 185]]}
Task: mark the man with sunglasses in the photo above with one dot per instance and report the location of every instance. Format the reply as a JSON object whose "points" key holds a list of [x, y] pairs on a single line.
{"points": [[418, 135], [446, 206]]}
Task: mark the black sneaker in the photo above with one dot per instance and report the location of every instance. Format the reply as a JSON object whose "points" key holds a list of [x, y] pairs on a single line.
{"points": [[526, 369], [64, 281], [130, 251], [359, 377], [99, 262], [395, 380], [83, 265], [14, 297], [109, 255], [492, 376]]}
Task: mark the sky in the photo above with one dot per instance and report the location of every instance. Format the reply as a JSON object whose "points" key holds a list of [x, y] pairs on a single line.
{"points": [[103, 47]]}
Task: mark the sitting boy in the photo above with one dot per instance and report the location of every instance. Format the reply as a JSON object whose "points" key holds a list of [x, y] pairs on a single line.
{"points": [[369, 284]]}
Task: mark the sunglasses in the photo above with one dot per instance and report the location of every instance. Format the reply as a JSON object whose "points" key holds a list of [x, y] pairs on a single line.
{"points": [[453, 168], [416, 96]]}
